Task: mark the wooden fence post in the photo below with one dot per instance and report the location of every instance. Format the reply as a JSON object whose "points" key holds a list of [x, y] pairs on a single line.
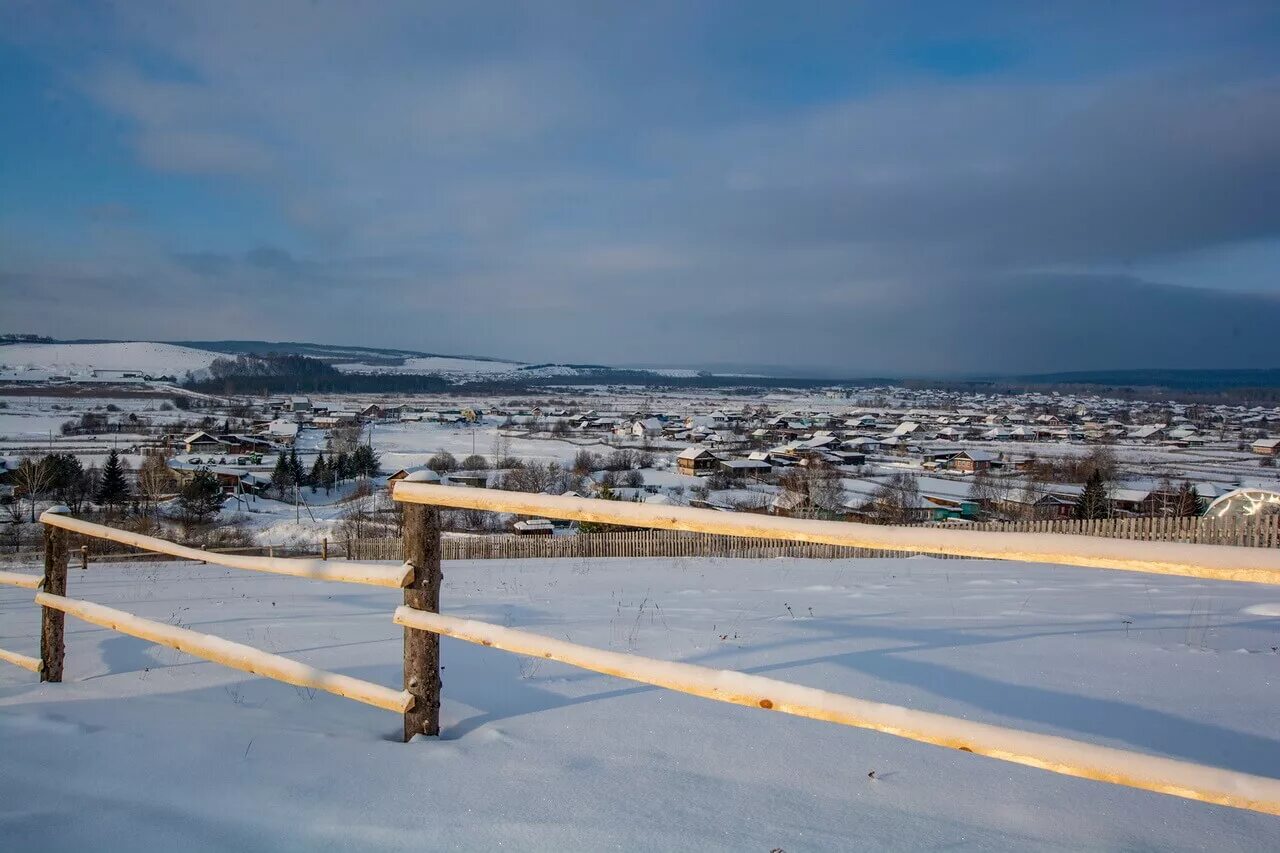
{"points": [[84, 557], [52, 647], [324, 548], [422, 648]]}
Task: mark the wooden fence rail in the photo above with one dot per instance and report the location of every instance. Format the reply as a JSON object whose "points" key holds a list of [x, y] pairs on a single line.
{"points": [[1263, 532], [376, 574], [55, 605], [1214, 562], [1047, 752], [1058, 755], [230, 654]]}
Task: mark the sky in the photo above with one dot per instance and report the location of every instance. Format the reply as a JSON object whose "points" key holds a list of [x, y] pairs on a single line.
{"points": [[859, 189]]}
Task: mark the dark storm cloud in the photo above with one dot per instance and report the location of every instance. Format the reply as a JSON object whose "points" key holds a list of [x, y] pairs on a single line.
{"points": [[874, 190]]}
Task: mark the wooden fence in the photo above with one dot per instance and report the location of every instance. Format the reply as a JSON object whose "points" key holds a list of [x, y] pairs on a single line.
{"points": [[1259, 532], [631, 543], [1245, 531], [419, 575]]}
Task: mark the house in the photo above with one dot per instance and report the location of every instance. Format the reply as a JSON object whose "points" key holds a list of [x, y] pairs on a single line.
{"points": [[972, 461], [282, 430], [1147, 432], [244, 444], [648, 427], [534, 527], [696, 461], [1266, 447], [746, 467], [474, 479], [203, 442], [425, 475], [942, 508], [299, 404]]}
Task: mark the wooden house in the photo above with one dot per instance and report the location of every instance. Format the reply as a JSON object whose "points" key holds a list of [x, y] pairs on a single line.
{"points": [[696, 461]]}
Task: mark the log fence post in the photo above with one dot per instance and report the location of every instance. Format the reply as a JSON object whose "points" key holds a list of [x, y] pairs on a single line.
{"points": [[422, 648], [324, 548], [52, 645], [84, 557]]}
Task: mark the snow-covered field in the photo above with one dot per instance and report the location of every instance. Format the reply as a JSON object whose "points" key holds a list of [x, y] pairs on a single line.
{"points": [[413, 443], [435, 364], [466, 369], [145, 748], [143, 356]]}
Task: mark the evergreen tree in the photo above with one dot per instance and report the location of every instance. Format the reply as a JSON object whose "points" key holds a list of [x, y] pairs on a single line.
{"points": [[201, 496], [343, 467], [1189, 503], [113, 489], [318, 473], [295, 466], [282, 479], [364, 462], [1093, 502], [328, 476]]}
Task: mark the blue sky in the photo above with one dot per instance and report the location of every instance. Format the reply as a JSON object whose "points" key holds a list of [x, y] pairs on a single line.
{"points": [[863, 188]]}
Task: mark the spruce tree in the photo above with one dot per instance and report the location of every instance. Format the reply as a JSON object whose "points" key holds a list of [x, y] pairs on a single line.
{"points": [[1093, 501], [114, 488], [282, 477], [364, 461], [201, 497], [318, 473]]}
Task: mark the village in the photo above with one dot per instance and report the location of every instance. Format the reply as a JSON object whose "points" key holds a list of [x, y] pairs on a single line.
{"points": [[879, 454]]}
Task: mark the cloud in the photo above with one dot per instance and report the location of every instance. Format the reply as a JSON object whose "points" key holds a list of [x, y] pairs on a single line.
{"points": [[674, 184]]}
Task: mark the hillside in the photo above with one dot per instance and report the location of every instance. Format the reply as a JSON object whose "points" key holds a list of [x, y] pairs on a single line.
{"points": [[81, 358]]}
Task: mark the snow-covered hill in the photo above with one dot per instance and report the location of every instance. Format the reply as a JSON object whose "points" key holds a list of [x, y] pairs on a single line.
{"points": [[475, 370], [439, 365], [78, 359]]}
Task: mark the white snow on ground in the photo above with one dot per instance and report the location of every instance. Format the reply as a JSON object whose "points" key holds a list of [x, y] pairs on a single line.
{"points": [[404, 444], [144, 356], [146, 748]]}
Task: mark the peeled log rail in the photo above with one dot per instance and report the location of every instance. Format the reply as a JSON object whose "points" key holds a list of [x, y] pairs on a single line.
{"points": [[1047, 752], [1213, 562], [234, 655], [23, 661], [19, 579], [351, 571]]}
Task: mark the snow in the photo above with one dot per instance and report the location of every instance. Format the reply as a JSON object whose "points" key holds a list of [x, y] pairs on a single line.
{"points": [[144, 747], [435, 364], [143, 356]]}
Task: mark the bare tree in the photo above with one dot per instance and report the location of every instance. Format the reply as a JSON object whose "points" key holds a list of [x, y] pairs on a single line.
{"points": [[895, 501], [982, 490], [155, 479], [814, 490], [33, 477]]}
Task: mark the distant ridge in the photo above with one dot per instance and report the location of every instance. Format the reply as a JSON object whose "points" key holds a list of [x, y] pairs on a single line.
{"points": [[1177, 379]]}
